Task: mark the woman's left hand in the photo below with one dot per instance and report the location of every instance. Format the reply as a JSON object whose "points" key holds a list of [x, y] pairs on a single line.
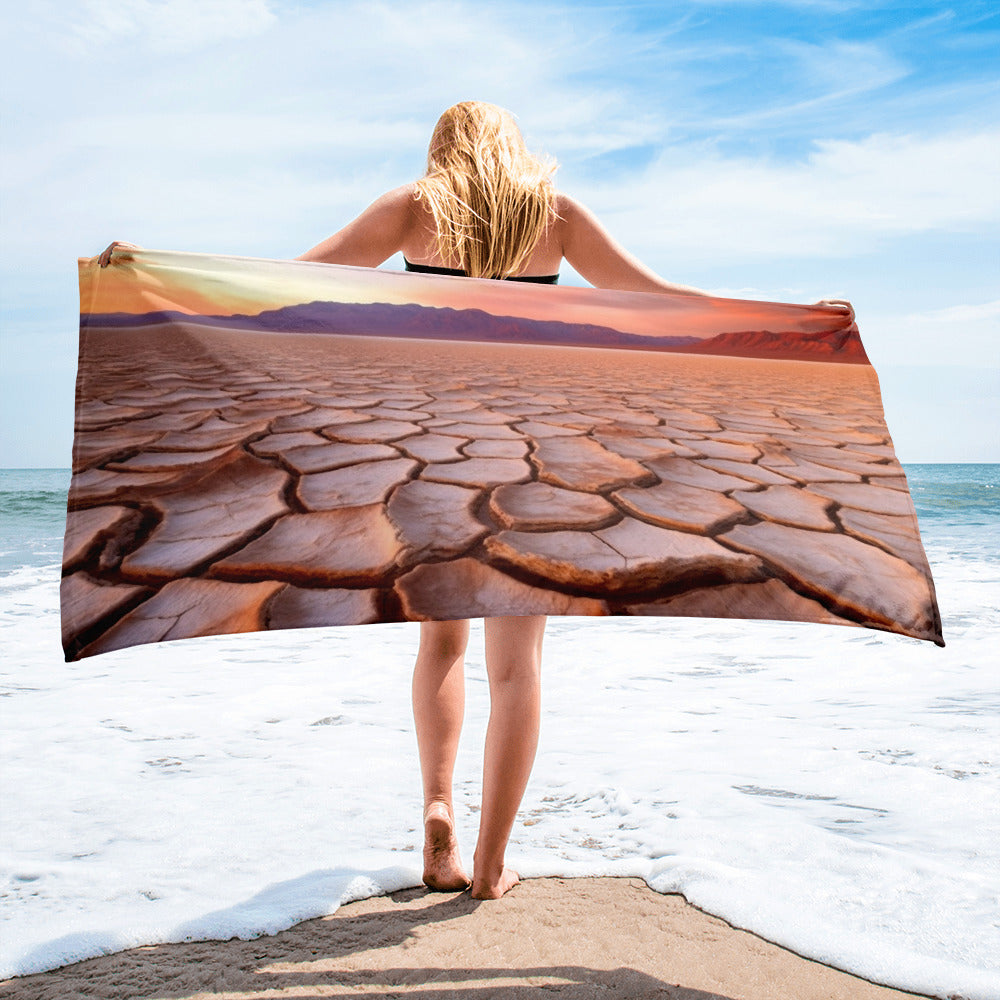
{"points": [[838, 302], [105, 256]]}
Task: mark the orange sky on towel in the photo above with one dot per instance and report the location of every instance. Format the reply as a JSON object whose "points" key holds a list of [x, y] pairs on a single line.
{"points": [[205, 284]]}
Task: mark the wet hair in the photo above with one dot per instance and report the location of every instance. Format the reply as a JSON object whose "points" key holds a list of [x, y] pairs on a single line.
{"points": [[490, 198]]}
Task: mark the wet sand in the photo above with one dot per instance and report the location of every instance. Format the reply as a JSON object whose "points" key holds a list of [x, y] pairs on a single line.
{"points": [[573, 938], [229, 481]]}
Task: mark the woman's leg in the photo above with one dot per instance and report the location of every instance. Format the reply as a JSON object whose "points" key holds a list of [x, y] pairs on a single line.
{"points": [[513, 662], [438, 708]]}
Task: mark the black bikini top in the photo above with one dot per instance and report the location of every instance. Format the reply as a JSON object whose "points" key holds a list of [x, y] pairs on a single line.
{"points": [[538, 279]]}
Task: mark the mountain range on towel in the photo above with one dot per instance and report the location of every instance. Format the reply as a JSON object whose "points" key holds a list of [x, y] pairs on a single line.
{"points": [[278, 444]]}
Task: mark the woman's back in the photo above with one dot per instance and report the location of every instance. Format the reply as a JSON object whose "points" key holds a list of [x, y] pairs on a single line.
{"points": [[419, 245], [398, 221]]}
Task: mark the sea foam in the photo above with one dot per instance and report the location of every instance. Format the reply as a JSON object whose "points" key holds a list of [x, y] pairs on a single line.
{"points": [[832, 789]]}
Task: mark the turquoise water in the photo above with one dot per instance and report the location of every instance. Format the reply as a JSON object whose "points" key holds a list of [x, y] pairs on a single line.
{"points": [[32, 516], [958, 505]]}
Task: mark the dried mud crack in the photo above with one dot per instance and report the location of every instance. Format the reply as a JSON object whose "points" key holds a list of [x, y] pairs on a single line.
{"points": [[269, 482]]}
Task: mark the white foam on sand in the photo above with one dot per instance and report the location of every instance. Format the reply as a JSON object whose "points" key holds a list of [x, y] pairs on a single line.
{"points": [[834, 790]]}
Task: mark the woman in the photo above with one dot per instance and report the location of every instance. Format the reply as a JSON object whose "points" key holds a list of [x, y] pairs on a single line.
{"points": [[485, 208]]}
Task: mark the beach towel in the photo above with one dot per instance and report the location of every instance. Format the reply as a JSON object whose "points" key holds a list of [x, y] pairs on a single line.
{"points": [[268, 444]]}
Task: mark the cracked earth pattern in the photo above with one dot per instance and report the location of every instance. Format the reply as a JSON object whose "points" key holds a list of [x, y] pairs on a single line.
{"points": [[227, 481]]}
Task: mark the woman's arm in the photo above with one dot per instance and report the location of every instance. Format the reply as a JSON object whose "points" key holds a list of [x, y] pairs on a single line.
{"points": [[601, 260], [374, 236]]}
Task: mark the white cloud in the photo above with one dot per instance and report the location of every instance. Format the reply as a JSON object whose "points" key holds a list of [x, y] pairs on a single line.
{"points": [[845, 198], [844, 67], [960, 334], [979, 312], [163, 25], [839, 6]]}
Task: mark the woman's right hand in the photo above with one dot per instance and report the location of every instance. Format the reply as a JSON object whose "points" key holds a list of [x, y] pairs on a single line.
{"points": [[105, 257], [840, 304]]}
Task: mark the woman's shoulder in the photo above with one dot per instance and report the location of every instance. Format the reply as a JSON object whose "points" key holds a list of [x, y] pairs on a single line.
{"points": [[573, 218], [397, 210], [568, 208], [402, 197]]}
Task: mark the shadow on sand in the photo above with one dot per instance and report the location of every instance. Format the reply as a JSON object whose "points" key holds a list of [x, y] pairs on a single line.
{"points": [[339, 956]]}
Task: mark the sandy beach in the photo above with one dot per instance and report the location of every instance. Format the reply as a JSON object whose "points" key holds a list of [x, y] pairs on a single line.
{"points": [[571, 937]]}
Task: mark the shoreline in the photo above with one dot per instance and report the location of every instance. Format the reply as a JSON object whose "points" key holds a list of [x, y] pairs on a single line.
{"points": [[810, 841], [574, 936]]}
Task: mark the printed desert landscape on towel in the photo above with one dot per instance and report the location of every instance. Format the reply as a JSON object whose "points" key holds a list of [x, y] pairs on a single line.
{"points": [[277, 444]]}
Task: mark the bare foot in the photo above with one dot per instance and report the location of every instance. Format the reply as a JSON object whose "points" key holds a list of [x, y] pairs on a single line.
{"points": [[443, 870], [494, 888]]}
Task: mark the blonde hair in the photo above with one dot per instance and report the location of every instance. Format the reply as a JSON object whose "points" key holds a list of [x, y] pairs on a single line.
{"points": [[491, 199]]}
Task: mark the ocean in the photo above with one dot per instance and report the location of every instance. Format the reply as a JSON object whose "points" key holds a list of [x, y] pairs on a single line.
{"points": [[835, 790]]}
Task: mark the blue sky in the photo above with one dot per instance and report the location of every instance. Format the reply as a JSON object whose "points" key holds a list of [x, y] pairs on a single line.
{"points": [[786, 151]]}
